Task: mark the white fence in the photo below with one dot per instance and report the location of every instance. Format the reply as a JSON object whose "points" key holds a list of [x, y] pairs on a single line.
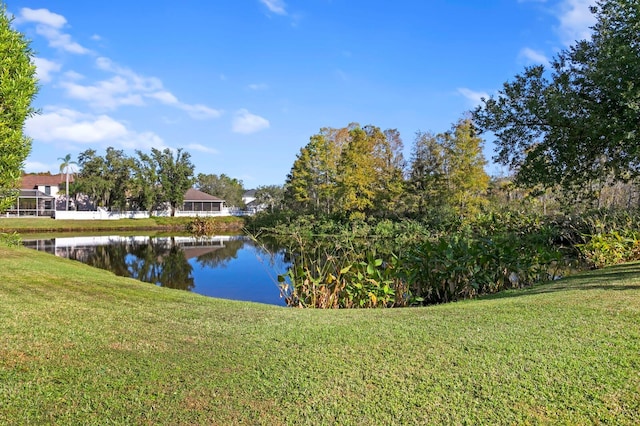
{"points": [[102, 214]]}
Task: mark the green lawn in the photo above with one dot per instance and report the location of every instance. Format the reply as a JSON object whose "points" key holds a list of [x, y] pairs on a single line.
{"points": [[33, 224], [81, 346]]}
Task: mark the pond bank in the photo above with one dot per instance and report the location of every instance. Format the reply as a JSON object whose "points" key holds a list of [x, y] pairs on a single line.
{"points": [[80, 345], [24, 225]]}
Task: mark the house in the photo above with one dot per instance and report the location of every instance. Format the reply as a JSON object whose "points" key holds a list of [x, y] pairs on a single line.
{"points": [[200, 202], [48, 184], [39, 195], [251, 203]]}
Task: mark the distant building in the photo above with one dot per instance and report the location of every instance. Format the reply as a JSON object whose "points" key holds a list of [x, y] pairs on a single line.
{"points": [[198, 201], [251, 203], [40, 195]]}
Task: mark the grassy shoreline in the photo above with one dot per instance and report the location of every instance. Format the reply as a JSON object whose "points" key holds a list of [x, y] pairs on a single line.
{"points": [[24, 225], [80, 345]]}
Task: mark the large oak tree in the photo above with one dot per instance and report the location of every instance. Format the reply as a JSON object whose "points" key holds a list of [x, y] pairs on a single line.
{"points": [[575, 124]]}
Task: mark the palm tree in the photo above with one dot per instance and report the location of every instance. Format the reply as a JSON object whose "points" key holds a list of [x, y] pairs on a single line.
{"points": [[66, 166]]}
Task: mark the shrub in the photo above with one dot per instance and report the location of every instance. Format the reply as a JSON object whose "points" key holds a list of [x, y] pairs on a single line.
{"points": [[11, 240], [605, 249]]}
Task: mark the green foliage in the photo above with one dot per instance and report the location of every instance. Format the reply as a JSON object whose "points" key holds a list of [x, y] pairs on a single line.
{"points": [[611, 248], [213, 225], [175, 175], [337, 276], [118, 181], [577, 124], [12, 239], [224, 187], [145, 190], [119, 171], [370, 172], [463, 265], [602, 237], [351, 171], [92, 180], [356, 179], [18, 86], [270, 196], [465, 179], [488, 253], [447, 172], [108, 181], [424, 185]]}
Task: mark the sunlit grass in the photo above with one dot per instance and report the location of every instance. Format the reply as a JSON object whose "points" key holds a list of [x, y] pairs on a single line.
{"points": [[32, 224], [81, 346]]}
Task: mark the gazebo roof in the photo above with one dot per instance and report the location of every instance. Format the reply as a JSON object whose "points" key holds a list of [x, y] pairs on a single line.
{"points": [[195, 195]]}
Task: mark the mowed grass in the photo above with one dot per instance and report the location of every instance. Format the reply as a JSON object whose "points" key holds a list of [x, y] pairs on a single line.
{"points": [[33, 224], [81, 346]]}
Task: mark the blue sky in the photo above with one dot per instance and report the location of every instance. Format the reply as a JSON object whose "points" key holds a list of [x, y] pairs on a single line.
{"points": [[242, 84]]}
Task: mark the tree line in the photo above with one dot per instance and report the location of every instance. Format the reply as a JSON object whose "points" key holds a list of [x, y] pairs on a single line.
{"points": [[151, 181], [355, 172], [144, 182]]}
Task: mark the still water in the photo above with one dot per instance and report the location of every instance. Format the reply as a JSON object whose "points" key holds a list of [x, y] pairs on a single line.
{"points": [[228, 267]]}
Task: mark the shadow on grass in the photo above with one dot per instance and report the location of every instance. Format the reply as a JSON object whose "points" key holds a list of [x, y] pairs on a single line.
{"points": [[614, 278]]}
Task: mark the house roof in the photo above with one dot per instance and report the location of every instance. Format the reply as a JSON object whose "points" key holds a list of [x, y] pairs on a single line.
{"points": [[32, 181], [195, 195]]}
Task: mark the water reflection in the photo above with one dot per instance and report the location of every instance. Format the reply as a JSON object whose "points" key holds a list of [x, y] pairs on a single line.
{"points": [[231, 267]]}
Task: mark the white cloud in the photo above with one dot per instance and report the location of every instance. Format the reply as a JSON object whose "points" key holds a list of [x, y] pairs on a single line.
{"points": [[197, 111], [165, 97], [61, 40], [137, 81], [575, 20], [67, 125], [45, 67], [127, 87], [258, 86], [533, 56], [200, 112], [41, 16], [73, 76], [474, 97], [70, 125], [275, 6], [49, 25], [38, 167], [142, 141], [244, 122], [104, 95], [201, 148]]}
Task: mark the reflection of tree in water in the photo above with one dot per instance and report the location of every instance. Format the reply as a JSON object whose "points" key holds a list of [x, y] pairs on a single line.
{"points": [[112, 257], [153, 262], [144, 263], [220, 257]]}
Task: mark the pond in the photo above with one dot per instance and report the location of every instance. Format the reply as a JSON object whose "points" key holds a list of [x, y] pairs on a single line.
{"points": [[228, 267]]}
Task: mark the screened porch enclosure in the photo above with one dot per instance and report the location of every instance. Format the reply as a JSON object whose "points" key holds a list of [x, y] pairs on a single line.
{"points": [[32, 202], [199, 202], [202, 206]]}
